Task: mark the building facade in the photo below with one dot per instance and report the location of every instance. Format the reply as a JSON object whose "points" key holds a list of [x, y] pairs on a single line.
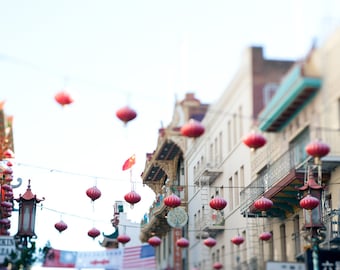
{"points": [[218, 164], [164, 173], [293, 105]]}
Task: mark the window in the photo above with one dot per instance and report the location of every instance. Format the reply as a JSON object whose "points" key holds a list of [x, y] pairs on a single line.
{"points": [[283, 242], [242, 184], [296, 235], [229, 136], [271, 247], [236, 189], [240, 117], [220, 148], [231, 197], [297, 147]]}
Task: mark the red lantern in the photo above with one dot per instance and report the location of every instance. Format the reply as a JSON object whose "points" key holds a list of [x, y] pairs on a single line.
{"points": [[132, 197], [6, 187], [60, 226], [63, 98], [217, 265], [317, 149], [309, 202], [172, 201], [263, 204], [182, 242], [94, 193], [237, 240], [254, 140], [123, 238], [210, 242], [93, 233], [265, 236], [126, 114], [8, 153], [192, 129], [218, 203], [154, 241]]}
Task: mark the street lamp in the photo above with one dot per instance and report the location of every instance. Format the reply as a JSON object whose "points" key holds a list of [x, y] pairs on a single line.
{"points": [[313, 215], [27, 211]]}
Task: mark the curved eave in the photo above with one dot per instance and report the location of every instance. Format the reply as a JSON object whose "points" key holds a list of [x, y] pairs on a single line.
{"points": [[167, 150], [294, 93]]}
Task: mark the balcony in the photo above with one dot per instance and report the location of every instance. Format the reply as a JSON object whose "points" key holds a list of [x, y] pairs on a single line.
{"points": [[332, 224], [280, 179], [296, 90], [211, 222], [208, 175], [155, 222]]}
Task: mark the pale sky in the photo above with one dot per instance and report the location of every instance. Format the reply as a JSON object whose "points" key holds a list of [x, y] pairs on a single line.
{"points": [[110, 54]]}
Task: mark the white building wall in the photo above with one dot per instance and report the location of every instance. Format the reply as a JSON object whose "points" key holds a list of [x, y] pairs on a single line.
{"points": [[221, 146]]}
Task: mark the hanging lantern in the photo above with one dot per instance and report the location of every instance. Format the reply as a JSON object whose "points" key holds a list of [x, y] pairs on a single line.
{"points": [[263, 204], [60, 226], [192, 129], [218, 203], [237, 240], [172, 201], [265, 236], [94, 193], [254, 140], [317, 149], [63, 98], [132, 197], [123, 238], [8, 153], [309, 202], [93, 233], [126, 114], [210, 242], [217, 265], [182, 242], [154, 241]]}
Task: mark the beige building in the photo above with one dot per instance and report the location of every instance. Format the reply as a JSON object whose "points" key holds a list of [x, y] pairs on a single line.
{"points": [[292, 104], [218, 164]]}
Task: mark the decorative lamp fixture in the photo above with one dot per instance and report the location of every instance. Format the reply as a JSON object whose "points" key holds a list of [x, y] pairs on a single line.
{"points": [[254, 140], [311, 202], [265, 236], [317, 149], [60, 226], [182, 242], [217, 265], [218, 203], [237, 240], [210, 242], [154, 241], [126, 114], [27, 211], [192, 129], [93, 193], [132, 197], [63, 98], [93, 233], [263, 204], [123, 238], [172, 201]]}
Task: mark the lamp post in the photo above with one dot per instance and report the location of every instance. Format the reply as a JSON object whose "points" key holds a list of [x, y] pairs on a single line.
{"points": [[27, 211], [313, 215]]}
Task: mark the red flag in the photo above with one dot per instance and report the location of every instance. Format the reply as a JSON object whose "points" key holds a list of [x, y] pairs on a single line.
{"points": [[129, 163]]}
